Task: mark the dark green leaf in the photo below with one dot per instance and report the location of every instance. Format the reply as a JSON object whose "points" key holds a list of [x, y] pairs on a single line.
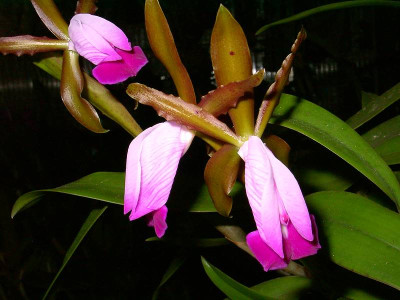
{"points": [[103, 186], [174, 266], [89, 222], [328, 7], [288, 287], [375, 107], [385, 138], [229, 286], [331, 132], [359, 234]]}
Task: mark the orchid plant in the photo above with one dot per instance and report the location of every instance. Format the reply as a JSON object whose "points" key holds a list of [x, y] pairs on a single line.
{"points": [[243, 155]]}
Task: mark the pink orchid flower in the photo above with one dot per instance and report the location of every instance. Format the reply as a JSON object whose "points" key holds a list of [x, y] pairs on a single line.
{"points": [[107, 46], [151, 165], [285, 229]]}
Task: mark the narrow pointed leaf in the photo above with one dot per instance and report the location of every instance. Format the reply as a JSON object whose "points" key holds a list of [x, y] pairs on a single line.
{"points": [[374, 107], [71, 88], [163, 45], [28, 44], [220, 175], [385, 139], [358, 234], [97, 94], [109, 187], [219, 101], [174, 266], [229, 286], [367, 98], [331, 132], [103, 186], [287, 287], [271, 98], [231, 61], [86, 7], [51, 17], [86, 226], [329, 7], [175, 109]]}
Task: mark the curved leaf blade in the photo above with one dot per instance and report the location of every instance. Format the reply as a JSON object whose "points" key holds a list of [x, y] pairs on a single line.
{"points": [[87, 225], [331, 132], [229, 286], [104, 186], [328, 7], [359, 234], [288, 287], [374, 107]]}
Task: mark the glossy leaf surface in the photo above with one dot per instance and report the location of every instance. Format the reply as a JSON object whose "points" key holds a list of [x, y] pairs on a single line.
{"points": [[87, 225], [331, 132], [231, 61], [163, 45], [71, 88], [28, 44], [329, 7], [51, 17], [376, 106], [109, 187], [358, 234], [385, 138], [97, 94], [231, 288]]}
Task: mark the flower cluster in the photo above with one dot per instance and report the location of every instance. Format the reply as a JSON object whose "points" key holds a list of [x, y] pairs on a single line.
{"points": [[285, 229]]}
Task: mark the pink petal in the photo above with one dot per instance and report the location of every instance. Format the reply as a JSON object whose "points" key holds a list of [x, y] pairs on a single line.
{"points": [[261, 192], [155, 160], [296, 246], [118, 71], [133, 171], [89, 43], [292, 197], [109, 31], [264, 254], [157, 219]]}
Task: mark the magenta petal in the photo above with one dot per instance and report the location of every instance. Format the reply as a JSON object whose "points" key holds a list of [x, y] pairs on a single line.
{"points": [[292, 197], [151, 167], [109, 31], [157, 219], [134, 171], [262, 193], [118, 71], [89, 43], [264, 254], [296, 247]]}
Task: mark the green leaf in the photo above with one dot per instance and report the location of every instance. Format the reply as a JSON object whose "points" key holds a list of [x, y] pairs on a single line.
{"points": [[109, 187], [358, 234], [331, 132], [87, 225], [374, 107], [288, 287], [367, 98], [103, 186], [385, 138], [328, 7], [229, 286], [174, 266]]}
